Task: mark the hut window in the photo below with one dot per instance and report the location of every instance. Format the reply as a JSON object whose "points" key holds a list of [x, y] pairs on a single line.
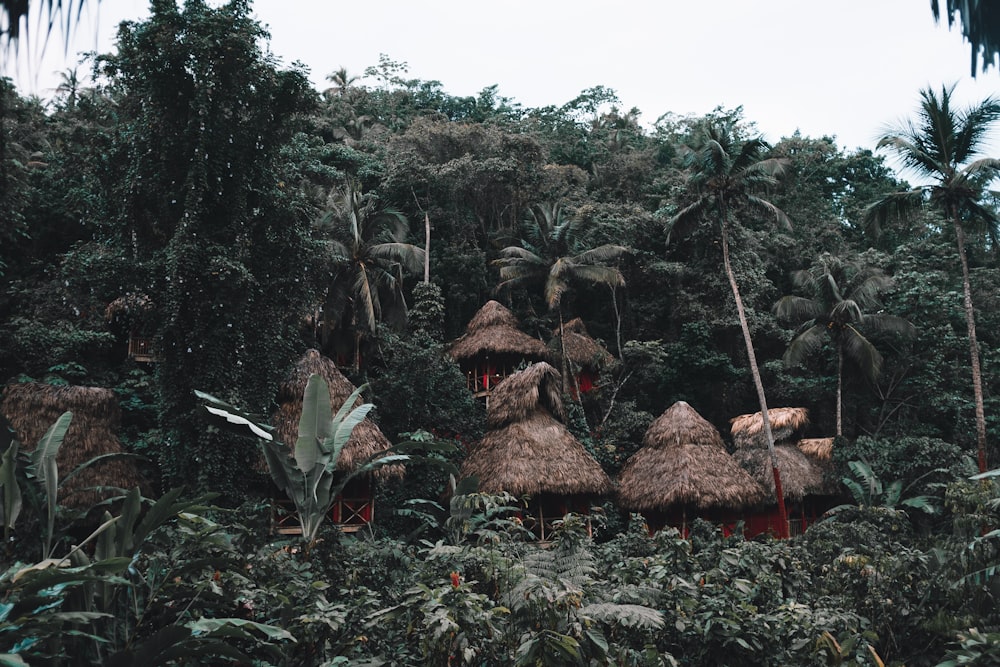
{"points": [[141, 349]]}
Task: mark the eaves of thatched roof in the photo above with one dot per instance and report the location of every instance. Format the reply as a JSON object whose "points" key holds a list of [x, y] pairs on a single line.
{"points": [[786, 425]]}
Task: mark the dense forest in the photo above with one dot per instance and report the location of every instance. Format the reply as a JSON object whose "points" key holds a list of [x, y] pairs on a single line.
{"points": [[200, 197]]}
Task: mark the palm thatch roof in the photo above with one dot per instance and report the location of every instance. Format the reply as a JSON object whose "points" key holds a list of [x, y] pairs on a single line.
{"points": [[581, 350], [527, 451], [800, 476], [820, 452], [684, 462], [32, 407], [494, 331], [819, 449], [366, 440], [786, 425]]}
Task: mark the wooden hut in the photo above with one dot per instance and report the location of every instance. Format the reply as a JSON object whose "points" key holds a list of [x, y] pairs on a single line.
{"points": [[133, 312], [528, 451], [493, 347], [585, 357], [355, 507], [33, 407], [801, 477], [683, 472]]}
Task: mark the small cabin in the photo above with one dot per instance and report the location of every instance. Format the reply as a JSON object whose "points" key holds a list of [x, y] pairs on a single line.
{"points": [[354, 508], [683, 472], [529, 453], [493, 347]]}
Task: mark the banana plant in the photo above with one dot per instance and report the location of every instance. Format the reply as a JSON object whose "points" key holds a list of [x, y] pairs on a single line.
{"points": [[310, 477], [867, 490]]}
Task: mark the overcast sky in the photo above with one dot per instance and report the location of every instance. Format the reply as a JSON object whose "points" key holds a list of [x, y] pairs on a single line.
{"points": [[848, 68]]}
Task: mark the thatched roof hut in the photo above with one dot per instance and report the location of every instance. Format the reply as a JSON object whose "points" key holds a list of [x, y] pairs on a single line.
{"points": [[366, 440], [32, 407], [581, 350], [493, 331], [527, 450], [786, 425], [683, 462]]}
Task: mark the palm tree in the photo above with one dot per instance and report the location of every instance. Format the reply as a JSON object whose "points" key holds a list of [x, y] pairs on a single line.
{"points": [[555, 259], [369, 258], [840, 293], [943, 144], [724, 177]]}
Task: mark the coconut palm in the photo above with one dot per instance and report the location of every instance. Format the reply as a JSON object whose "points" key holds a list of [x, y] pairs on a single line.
{"points": [[944, 144], [554, 258], [840, 292], [369, 260], [726, 177]]}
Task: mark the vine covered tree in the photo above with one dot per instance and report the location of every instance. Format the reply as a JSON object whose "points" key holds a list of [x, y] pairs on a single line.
{"points": [[840, 292], [944, 144], [204, 225], [726, 178]]}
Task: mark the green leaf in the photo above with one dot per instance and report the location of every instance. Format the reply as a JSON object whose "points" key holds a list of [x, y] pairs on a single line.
{"points": [[212, 625], [314, 424], [12, 501]]}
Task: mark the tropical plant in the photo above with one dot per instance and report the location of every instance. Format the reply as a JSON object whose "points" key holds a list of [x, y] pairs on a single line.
{"points": [[369, 261], [309, 475], [944, 144], [555, 258], [726, 177], [868, 491], [840, 291]]}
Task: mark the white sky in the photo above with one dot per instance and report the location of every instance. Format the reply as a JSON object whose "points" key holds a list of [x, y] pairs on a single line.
{"points": [[846, 68]]}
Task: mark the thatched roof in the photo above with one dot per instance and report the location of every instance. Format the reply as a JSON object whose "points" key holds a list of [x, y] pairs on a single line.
{"points": [[129, 305], [819, 449], [800, 476], [32, 407], [582, 350], [820, 452], [527, 450], [494, 331], [366, 440], [684, 462], [786, 425]]}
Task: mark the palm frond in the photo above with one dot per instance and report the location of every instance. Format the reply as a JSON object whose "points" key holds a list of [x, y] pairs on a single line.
{"points": [[804, 345], [604, 253], [860, 350], [892, 207], [409, 256], [797, 309]]}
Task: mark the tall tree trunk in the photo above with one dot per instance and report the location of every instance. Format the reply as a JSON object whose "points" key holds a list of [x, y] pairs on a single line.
{"points": [[427, 248], [970, 320], [840, 389], [758, 384]]}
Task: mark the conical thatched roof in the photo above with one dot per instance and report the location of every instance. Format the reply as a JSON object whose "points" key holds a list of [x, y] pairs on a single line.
{"points": [[684, 462], [527, 450], [32, 407], [494, 331], [786, 425], [582, 350], [366, 440], [800, 476]]}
